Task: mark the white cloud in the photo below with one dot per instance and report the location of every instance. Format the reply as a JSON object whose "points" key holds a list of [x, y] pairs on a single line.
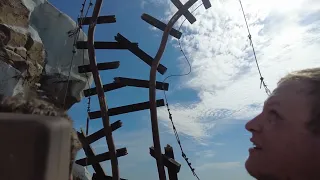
{"points": [[220, 165], [206, 153], [285, 35], [156, 3], [143, 4]]}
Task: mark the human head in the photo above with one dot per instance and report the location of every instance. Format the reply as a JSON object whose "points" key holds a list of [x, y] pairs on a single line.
{"points": [[19, 104], [287, 131]]}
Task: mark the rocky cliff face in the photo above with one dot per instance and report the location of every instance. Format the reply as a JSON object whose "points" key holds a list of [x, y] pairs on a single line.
{"points": [[36, 53], [80, 173]]}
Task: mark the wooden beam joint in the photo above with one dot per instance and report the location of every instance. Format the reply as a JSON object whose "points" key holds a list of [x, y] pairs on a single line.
{"points": [[126, 109], [101, 157], [138, 52], [100, 133], [101, 66], [140, 83], [187, 13], [100, 20], [167, 161], [106, 87], [206, 4], [90, 153], [169, 152], [104, 45], [160, 25]]}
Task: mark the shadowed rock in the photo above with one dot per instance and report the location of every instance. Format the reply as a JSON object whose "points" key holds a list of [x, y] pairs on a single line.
{"points": [[36, 53]]}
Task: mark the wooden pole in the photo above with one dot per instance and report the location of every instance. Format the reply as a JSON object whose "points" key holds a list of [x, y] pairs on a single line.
{"points": [[152, 87], [100, 92]]}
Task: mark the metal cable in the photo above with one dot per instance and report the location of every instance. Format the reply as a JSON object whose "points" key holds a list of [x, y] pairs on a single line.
{"points": [[167, 104], [254, 53], [75, 33]]}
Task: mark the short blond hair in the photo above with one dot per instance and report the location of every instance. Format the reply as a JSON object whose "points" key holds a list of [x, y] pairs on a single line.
{"points": [[312, 77]]}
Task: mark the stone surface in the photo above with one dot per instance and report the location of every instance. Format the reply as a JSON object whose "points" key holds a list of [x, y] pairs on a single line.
{"points": [[80, 173], [35, 44], [11, 83], [13, 12]]}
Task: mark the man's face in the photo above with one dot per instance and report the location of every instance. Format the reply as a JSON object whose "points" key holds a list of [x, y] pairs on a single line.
{"points": [[284, 147]]}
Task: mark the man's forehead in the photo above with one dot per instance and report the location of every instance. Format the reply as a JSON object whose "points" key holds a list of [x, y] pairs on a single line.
{"points": [[292, 86], [272, 99], [286, 91]]}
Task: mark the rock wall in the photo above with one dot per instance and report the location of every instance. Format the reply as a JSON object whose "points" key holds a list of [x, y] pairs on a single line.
{"points": [[80, 173], [36, 53]]}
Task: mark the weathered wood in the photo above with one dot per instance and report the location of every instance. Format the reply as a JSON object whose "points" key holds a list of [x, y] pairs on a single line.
{"points": [[126, 109], [101, 66], [140, 83], [100, 20], [152, 88], [99, 134], [106, 87], [102, 99], [138, 52], [167, 161], [90, 153], [98, 177], [104, 45], [169, 152], [160, 25], [101, 157], [206, 4], [187, 13]]}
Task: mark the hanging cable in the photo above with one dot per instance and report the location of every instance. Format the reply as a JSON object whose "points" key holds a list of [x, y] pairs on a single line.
{"points": [[89, 98], [167, 104], [75, 33], [254, 53], [185, 74]]}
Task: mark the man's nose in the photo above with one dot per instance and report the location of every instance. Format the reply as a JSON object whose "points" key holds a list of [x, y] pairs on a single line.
{"points": [[254, 125]]}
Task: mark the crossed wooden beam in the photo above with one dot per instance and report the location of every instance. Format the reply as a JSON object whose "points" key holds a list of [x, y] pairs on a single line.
{"points": [[182, 10], [163, 160]]}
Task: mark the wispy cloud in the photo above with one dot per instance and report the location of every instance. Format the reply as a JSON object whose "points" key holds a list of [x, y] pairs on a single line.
{"points": [[154, 3], [143, 4], [206, 153], [220, 165], [285, 35]]}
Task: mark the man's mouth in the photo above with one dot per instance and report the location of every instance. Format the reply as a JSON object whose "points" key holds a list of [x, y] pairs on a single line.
{"points": [[255, 146]]}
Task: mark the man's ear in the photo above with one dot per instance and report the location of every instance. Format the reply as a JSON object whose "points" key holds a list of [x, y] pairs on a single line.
{"points": [[71, 177]]}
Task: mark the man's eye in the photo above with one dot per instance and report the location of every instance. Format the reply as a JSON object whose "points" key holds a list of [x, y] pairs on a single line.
{"points": [[274, 115], [273, 112]]}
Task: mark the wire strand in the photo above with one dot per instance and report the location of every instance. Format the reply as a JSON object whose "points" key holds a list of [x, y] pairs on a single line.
{"points": [[86, 75], [167, 104], [76, 34], [262, 82]]}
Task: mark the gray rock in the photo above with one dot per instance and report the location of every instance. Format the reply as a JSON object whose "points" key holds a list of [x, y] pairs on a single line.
{"points": [[35, 44], [80, 173]]}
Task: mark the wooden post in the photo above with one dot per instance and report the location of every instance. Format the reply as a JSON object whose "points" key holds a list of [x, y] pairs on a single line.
{"points": [[173, 175], [100, 92], [152, 87]]}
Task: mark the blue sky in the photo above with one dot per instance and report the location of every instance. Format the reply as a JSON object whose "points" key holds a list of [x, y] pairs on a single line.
{"points": [[212, 104]]}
